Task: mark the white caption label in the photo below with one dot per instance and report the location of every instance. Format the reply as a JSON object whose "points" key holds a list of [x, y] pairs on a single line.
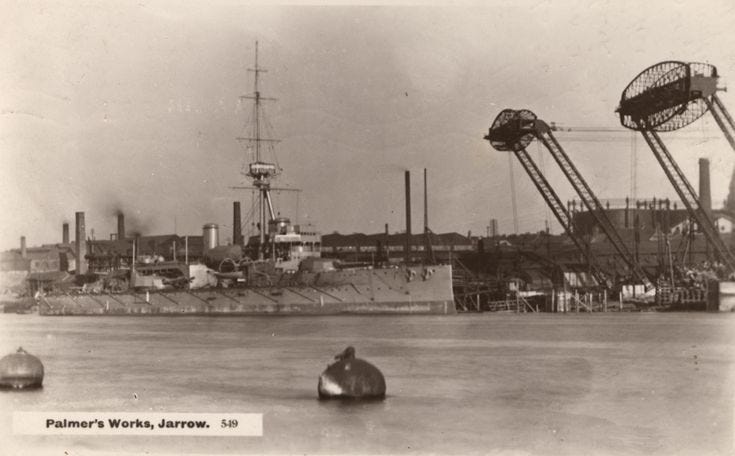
{"points": [[130, 423]]}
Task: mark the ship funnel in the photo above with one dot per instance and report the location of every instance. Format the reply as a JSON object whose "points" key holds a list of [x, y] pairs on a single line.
{"points": [[65, 233], [210, 237], [23, 252]]}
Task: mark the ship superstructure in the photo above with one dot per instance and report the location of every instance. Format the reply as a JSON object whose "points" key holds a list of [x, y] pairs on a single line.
{"points": [[277, 239]]}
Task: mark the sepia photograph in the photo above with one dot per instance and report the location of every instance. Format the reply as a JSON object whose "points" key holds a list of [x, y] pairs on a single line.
{"points": [[237, 227]]}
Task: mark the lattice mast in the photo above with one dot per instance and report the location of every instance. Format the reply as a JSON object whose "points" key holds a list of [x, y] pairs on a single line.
{"points": [[507, 134], [666, 97]]}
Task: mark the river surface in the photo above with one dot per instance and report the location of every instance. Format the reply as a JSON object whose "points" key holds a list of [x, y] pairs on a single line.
{"points": [[645, 383]]}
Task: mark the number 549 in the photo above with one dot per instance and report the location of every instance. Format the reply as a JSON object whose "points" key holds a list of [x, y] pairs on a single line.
{"points": [[229, 423]]}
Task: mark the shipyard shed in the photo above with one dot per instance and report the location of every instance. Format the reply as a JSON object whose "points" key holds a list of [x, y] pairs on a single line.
{"points": [[49, 281], [531, 270]]}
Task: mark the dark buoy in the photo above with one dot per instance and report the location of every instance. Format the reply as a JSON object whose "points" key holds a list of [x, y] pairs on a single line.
{"points": [[21, 370], [351, 378]]}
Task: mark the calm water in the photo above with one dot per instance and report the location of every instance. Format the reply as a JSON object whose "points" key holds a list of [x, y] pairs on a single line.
{"points": [[498, 384]]}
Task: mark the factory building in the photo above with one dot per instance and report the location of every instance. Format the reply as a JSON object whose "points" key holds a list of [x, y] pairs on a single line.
{"points": [[361, 247], [35, 264], [108, 255], [648, 216]]}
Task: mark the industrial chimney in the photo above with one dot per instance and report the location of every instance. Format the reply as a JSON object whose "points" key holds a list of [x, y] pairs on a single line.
{"points": [[730, 201], [426, 204], [23, 252], [81, 244], [705, 195], [120, 226], [236, 224], [407, 248], [65, 233]]}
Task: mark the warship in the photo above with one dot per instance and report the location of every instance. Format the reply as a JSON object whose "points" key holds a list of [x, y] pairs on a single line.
{"points": [[279, 271]]}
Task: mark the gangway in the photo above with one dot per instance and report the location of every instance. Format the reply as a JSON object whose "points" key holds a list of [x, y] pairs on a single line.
{"points": [[514, 130], [666, 97]]}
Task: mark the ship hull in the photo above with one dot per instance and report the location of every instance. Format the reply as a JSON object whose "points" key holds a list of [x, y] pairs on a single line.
{"points": [[405, 290]]}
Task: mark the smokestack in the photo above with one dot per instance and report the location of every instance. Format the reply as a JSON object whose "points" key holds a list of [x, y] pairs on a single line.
{"points": [[65, 233], [236, 224], [407, 249], [705, 195], [120, 226], [81, 244], [730, 201], [426, 205], [23, 253]]}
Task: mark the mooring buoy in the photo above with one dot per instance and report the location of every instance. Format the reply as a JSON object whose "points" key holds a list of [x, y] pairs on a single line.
{"points": [[351, 378], [21, 370]]}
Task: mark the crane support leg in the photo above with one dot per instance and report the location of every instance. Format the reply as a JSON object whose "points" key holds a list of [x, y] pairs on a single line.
{"points": [[557, 207], [688, 196], [723, 118], [591, 202]]}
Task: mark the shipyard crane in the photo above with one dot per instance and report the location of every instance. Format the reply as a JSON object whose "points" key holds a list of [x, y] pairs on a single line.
{"points": [[507, 135], [525, 126], [666, 97]]}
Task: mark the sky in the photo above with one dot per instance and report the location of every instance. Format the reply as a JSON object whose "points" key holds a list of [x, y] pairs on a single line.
{"points": [[134, 106]]}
